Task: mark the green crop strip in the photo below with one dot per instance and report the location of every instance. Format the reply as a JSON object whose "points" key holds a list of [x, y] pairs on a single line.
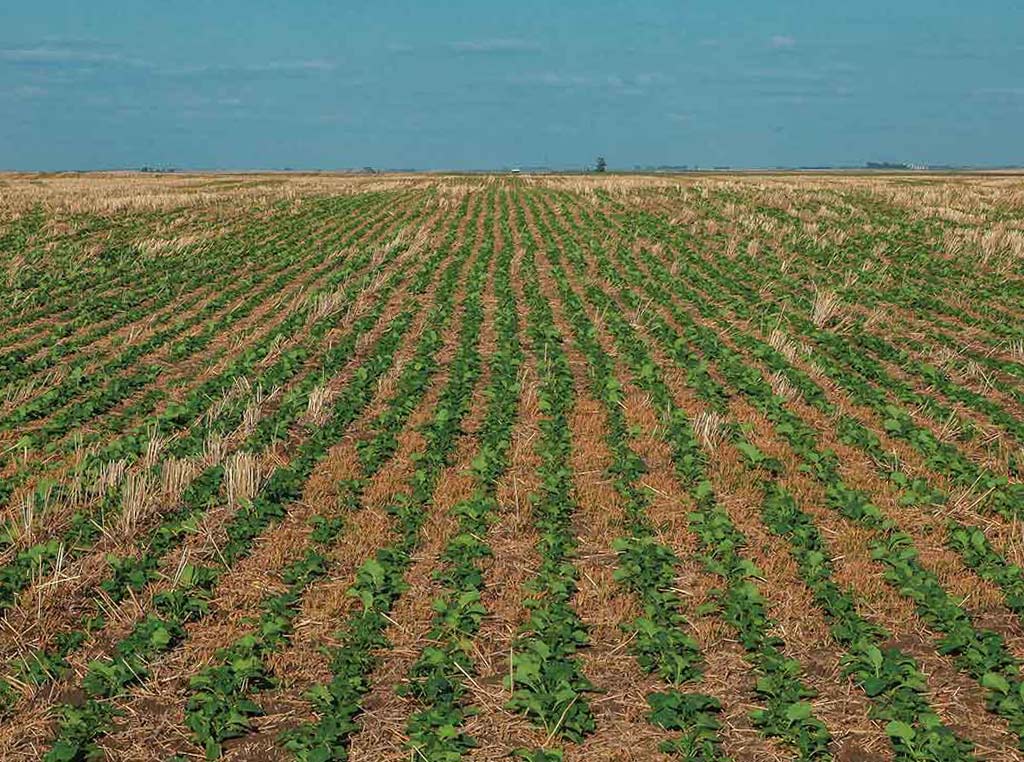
{"points": [[856, 506], [980, 653], [646, 567], [858, 376], [57, 280], [102, 398], [546, 681], [187, 601], [824, 466], [945, 458], [929, 375], [915, 491], [132, 574], [920, 281], [218, 708], [437, 680], [84, 530], [132, 442], [786, 715], [380, 580], [202, 267]]}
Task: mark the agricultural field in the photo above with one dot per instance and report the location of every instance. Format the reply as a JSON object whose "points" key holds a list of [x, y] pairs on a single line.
{"points": [[555, 468]]}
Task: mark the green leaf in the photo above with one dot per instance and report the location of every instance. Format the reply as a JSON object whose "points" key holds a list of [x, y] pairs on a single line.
{"points": [[799, 711], [995, 682], [901, 730]]}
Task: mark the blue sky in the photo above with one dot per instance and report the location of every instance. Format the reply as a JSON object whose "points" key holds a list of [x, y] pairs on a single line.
{"points": [[460, 85]]}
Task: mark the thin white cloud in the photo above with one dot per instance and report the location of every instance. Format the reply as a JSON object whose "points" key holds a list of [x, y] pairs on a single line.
{"points": [[51, 54], [1013, 92], [554, 79], [25, 92], [499, 45], [630, 84], [783, 41], [54, 61], [311, 65], [255, 69]]}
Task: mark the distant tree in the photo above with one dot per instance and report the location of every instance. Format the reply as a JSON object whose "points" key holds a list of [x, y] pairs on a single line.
{"points": [[601, 165]]}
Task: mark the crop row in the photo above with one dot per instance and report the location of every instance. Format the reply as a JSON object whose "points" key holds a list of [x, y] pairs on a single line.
{"points": [[217, 710]]}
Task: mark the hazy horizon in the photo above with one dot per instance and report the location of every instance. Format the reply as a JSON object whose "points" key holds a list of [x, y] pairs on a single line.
{"points": [[485, 87]]}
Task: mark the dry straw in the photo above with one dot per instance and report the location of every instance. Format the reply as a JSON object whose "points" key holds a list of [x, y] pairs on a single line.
{"points": [[136, 494], [711, 428], [253, 412], [827, 313], [176, 474], [241, 477], [318, 406], [110, 475], [781, 386], [213, 449]]}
